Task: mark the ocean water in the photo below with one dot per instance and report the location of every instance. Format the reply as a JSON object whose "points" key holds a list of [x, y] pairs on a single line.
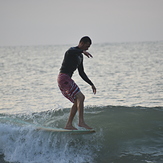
{"points": [[126, 112]]}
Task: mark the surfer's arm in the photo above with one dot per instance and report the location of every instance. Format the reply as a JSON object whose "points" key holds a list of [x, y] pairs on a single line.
{"points": [[87, 54], [85, 77], [83, 74]]}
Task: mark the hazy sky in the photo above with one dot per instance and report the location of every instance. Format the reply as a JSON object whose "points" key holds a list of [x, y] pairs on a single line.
{"points": [[44, 22]]}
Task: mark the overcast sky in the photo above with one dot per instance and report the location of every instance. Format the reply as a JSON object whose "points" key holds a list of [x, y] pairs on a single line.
{"points": [[49, 22]]}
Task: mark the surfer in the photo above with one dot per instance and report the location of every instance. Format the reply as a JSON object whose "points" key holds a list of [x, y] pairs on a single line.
{"points": [[73, 60]]}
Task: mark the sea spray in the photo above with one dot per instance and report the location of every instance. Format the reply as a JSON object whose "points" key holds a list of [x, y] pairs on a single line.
{"points": [[21, 142], [25, 144]]}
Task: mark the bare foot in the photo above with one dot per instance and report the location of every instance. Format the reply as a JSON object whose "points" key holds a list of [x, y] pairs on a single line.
{"points": [[70, 128], [85, 126]]}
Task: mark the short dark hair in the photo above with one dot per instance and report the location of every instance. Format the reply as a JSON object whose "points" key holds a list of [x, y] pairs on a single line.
{"points": [[86, 39]]}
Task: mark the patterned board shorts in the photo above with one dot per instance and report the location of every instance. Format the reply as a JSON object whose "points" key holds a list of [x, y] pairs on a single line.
{"points": [[67, 86]]}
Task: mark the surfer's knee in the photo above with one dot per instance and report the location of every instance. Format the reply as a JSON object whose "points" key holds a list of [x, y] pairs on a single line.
{"points": [[83, 97], [80, 97]]}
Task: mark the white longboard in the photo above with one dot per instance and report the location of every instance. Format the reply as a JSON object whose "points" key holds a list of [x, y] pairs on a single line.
{"points": [[74, 132], [49, 129]]}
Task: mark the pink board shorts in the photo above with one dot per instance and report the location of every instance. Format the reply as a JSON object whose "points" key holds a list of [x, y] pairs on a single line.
{"points": [[67, 86]]}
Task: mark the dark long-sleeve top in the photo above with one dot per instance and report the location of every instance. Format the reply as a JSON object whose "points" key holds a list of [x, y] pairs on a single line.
{"points": [[73, 60]]}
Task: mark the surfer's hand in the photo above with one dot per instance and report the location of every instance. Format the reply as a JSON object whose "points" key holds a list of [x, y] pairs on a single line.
{"points": [[87, 54], [94, 89]]}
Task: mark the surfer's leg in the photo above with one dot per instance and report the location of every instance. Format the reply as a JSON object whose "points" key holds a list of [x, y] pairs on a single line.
{"points": [[73, 111], [80, 106]]}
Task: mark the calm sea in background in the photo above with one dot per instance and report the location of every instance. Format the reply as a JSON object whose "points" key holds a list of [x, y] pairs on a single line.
{"points": [[126, 112]]}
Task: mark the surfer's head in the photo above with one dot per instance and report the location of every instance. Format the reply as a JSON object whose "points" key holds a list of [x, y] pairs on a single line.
{"points": [[84, 43]]}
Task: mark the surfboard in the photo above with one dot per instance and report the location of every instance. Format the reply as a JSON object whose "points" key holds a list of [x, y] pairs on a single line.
{"points": [[61, 130], [47, 129]]}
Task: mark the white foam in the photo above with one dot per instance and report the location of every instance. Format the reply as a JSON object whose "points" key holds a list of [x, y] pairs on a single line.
{"points": [[24, 144]]}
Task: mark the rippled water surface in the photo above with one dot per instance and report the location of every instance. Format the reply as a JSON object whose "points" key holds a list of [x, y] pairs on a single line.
{"points": [[129, 74]]}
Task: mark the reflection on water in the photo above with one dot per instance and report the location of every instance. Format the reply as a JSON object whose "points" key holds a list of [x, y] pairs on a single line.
{"points": [[127, 74]]}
